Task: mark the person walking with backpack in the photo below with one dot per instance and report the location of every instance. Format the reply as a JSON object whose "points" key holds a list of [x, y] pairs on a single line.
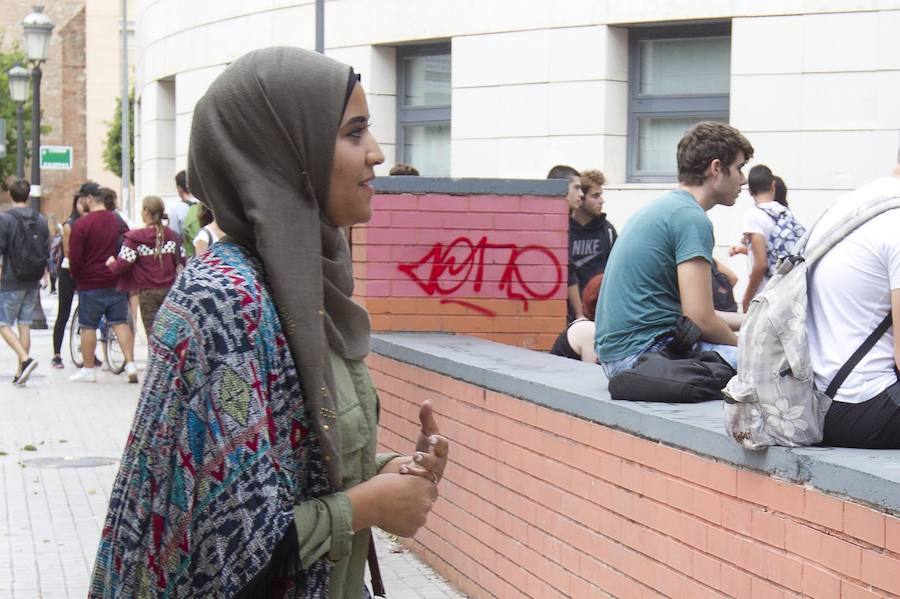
{"points": [[770, 230], [25, 249]]}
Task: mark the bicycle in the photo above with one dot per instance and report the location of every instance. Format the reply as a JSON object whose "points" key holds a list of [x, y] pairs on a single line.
{"points": [[112, 351]]}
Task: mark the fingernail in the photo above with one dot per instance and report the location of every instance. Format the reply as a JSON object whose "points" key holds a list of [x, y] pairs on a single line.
{"points": [[433, 439], [403, 469], [418, 457]]}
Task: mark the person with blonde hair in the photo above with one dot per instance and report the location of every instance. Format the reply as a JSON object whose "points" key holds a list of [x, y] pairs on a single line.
{"points": [[149, 260]]}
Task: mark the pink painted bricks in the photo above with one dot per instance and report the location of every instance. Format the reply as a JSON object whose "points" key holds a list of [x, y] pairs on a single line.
{"points": [[492, 266]]}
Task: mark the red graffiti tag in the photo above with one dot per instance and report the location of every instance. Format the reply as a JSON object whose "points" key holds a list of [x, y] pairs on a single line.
{"points": [[447, 273]]}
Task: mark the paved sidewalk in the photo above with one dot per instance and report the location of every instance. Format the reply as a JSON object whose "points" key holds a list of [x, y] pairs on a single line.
{"points": [[50, 517]]}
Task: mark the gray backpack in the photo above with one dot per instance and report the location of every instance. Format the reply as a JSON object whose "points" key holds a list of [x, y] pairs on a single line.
{"points": [[773, 400]]}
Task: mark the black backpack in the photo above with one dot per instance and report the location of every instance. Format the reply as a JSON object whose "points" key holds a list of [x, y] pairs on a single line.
{"points": [[29, 249], [722, 292], [676, 374]]}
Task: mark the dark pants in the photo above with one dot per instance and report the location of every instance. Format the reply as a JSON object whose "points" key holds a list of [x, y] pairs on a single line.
{"points": [[150, 300], [873, 424], [65, 297]]}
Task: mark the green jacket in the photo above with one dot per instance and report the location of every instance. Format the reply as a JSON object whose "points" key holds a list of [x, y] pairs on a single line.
{"points": [[324, 524], [190, 228]]}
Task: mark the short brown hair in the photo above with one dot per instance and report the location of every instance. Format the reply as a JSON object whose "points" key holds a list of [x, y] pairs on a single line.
{"points": [[705, 142], [591, 178], [20, 190], [404, 169]]}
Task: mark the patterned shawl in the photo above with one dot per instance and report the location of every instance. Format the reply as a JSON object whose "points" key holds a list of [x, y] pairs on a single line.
{"points": [[221, 448], [262, 146]]}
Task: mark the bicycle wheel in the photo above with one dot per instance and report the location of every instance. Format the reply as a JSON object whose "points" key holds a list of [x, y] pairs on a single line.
{"points": [[75, 340], [112, 352]]}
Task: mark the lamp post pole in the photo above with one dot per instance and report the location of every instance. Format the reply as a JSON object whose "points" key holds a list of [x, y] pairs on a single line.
{"points": [[36, 137], [320, 26], [20, 140], [126, 136], [37, 27]]}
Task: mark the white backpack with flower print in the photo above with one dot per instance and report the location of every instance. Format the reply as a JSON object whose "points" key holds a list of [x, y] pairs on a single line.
{"points": [[773, 400]]}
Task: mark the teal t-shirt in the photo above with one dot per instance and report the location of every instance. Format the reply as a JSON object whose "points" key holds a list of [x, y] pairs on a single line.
{"points": [[639, 299]]}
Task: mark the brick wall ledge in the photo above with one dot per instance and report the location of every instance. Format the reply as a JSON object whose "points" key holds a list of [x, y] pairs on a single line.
{"points": [[445, 185], [870, 476]]}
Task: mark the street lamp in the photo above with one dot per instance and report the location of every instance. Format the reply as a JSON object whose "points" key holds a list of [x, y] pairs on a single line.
{"points": [[38, 27], [18, 91]]}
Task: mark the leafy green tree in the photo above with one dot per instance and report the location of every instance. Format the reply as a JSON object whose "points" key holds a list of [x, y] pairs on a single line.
{"points": [[8, 112], [112, 153]]}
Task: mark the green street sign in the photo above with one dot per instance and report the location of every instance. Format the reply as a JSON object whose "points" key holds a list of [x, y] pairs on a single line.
{"points": [[56, 157]]}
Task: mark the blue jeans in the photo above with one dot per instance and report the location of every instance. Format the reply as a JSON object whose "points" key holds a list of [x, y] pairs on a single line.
{"points": [[18, 306], [728, 352], [95, 303]]}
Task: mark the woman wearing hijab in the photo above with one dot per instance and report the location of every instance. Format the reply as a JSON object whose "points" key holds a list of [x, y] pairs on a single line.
{"points": [[250, 470]]}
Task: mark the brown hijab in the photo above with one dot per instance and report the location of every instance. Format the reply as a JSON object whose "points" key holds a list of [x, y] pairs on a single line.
{"points": [[261, 149]]}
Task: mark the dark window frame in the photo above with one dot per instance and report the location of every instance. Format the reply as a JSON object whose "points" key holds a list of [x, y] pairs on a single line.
{"points": [[701, 106], [416, 115]]}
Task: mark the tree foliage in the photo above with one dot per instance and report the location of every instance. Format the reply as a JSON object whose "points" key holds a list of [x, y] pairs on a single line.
{"points": [[8, 111], [112, 153]]}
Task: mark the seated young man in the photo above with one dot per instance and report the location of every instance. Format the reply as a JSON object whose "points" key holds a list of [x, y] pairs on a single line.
{"points": [[660, 267], [851, 291]]}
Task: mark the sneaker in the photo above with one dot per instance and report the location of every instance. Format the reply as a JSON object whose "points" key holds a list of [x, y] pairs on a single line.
{"points": [[56, 362], [131, 371], [25, 370], [84, 375]]}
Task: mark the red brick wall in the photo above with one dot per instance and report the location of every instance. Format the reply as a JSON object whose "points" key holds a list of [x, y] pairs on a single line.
{"points": [[490, 266], [536, 503], [62, 94]]}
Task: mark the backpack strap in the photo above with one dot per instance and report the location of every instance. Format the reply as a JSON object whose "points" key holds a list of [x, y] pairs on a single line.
{"points": [[774, 217], [839, 231], [863, 349]]}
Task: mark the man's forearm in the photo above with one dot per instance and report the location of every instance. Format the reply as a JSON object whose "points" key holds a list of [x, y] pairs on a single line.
{"points": [[575, 300], [715, 330]]}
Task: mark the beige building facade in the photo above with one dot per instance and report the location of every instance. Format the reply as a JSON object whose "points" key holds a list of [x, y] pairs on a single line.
{"points": [[508, 88], [80, 86]]}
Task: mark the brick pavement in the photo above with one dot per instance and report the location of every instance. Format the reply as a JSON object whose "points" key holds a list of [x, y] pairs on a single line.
{"points": [[50, 518]]}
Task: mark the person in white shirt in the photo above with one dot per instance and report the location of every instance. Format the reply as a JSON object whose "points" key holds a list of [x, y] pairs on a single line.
{"points": [[852, 289], [209, 233]]}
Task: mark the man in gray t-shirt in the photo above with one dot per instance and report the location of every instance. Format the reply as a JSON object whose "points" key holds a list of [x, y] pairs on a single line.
{"points": [[18, 296]]}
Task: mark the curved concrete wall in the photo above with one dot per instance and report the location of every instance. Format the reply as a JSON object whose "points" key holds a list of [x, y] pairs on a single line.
{"points": [[813, 83]]}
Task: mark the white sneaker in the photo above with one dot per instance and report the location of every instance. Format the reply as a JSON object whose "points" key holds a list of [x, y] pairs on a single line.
{"points": [[84, 375], [131, 371]]}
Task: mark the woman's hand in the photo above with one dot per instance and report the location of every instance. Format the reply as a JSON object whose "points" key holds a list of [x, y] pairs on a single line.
{"points": [[110, 261], [432, 449], [397, 504]]}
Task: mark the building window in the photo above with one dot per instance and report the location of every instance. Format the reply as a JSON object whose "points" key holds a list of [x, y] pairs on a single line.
{"points": [[423, 108], [678, 76]]}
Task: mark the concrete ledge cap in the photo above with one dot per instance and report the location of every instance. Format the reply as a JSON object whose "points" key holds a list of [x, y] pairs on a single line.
{"points": [[870, 476], [444, 185]]}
